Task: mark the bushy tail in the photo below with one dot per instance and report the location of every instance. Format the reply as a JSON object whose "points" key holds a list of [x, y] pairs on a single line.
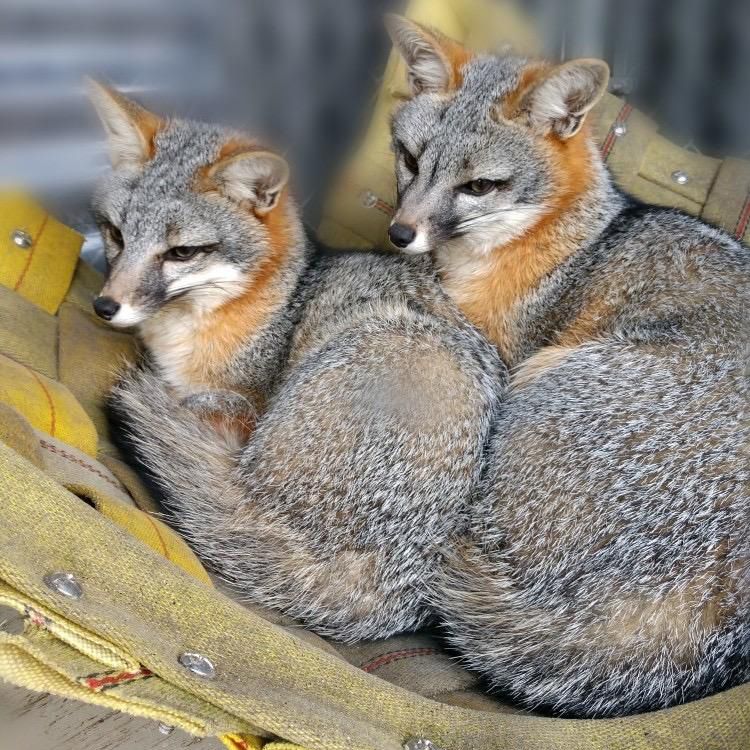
{"points": [[193, 470]]}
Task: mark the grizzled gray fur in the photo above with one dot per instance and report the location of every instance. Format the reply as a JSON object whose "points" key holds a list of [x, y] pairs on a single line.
{"points": [[608, 566], [367, 397]]}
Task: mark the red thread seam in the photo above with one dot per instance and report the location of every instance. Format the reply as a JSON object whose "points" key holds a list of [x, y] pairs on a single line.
{"points": [[621, 119], [50, 402], [31, 253], [69, 457], [742, 222], [383, 659], [103, 682], [36, 618], [384, 207]]}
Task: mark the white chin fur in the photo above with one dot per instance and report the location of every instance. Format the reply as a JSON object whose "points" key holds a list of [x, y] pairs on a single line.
{"points": [[127, 317], [496, 231], [419, 246], [216, 284]]}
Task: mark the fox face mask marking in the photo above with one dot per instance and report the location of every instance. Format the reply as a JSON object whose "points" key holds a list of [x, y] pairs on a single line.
{"points": [[170, 225], [481, 145]]}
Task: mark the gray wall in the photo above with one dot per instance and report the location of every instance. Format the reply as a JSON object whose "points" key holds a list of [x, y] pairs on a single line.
{"points": [[304, 71]]}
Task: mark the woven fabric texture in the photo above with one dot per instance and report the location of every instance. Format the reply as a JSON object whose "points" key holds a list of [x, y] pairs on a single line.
{"points": [[38, 254]]}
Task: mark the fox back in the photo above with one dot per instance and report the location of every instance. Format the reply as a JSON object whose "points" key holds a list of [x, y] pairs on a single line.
{"points": [[608, 566]]}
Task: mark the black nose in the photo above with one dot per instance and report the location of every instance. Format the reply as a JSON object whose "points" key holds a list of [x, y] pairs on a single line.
{"points": [[401, 235], [106, 307]]}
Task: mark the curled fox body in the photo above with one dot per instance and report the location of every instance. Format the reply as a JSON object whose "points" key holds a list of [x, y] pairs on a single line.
{"points": [[370, 397], [608, 566]]}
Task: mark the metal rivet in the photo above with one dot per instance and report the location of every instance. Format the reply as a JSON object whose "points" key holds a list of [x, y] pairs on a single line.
{"points": [[368, 198], [65, 584], [680, 177], [21, 239], [198, 664], [165, 729], [620, 129], [419, 743]]}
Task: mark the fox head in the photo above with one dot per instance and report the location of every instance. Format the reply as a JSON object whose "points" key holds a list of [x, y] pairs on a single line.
{"points": [[486, 146], [189, 211]]}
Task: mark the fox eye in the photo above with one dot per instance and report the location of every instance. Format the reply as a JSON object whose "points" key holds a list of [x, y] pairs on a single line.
{"points": [[185, 252], [479, 187], [114, 234], [409, 160]]}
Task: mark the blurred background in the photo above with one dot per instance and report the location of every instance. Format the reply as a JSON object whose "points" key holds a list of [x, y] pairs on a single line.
{"points": [[304, 72]]}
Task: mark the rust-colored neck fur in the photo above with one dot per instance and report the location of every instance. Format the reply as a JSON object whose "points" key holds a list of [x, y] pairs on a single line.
{"points": [[488, 287], [196, 349], [235, 322]]}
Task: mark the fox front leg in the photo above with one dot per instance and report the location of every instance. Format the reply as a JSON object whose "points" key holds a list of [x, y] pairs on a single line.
{"points": [[231, 414]]}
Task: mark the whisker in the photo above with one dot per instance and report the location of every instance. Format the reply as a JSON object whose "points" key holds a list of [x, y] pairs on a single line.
{"points": [[475, 219], [203, 289]]}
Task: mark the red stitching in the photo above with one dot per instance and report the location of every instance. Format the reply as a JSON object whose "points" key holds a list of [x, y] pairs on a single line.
{"points": [[70, 457], [36, 618], [110, 680], [621, 119], [50, 403], [383, 659], [34, 243], [742, 222], [384, 207]]}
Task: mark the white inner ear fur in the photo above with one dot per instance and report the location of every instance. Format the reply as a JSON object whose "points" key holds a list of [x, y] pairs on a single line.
{"points": [[127, 144], [255, 177], [427, 69], [561, 101]]}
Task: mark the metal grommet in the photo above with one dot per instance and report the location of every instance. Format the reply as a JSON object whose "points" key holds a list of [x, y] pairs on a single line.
{"points": [[368, 198], [21, 239], [419, 743], [680, 177], [620, 129], [165, 729], [65, 584], [198, 664]]}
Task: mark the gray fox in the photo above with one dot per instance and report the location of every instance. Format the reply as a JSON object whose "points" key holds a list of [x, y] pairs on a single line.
{"points": [[608, 566], [316, 421]]}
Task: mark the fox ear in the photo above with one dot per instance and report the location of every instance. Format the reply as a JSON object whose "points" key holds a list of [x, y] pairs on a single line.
{"points": [[560, 102], [254, 176], [433, 61], [130, 128]]}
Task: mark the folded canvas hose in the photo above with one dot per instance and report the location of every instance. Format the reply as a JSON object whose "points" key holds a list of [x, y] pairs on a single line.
{"points": [[117, 610], [122, 638]]}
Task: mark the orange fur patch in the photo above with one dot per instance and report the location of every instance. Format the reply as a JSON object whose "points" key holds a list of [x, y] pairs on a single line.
{"points": [[204, 181], [230, 326], [150, 125], [537, 365], [587, 324], [531, 76], [235, 428], [147, 123], [513, 270], [456, 56], [236, 146]]}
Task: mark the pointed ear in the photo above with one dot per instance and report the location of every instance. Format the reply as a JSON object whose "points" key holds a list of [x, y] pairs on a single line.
{"points": [[433, 61], [255, 176], [560, 101], [130, 128]]}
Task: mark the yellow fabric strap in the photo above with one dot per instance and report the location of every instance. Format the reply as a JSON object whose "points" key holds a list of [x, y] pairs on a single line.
{"points": [[151, 611], [48, 405], [38, 254]]}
